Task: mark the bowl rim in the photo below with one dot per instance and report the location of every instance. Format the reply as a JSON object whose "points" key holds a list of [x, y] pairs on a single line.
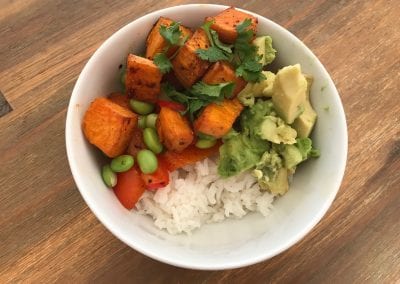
{"points": [[107, 222]]}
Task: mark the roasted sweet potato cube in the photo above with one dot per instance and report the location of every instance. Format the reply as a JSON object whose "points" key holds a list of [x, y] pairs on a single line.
{"points": [[225, 23], [217, 118], [109, 126], [120, 99], [143, 79], [155, 43], [222, 72], [174, 130], [188, 156], [136, 144], [188, 66]]}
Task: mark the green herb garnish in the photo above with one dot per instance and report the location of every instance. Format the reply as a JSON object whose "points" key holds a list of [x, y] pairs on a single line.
{"points": [[162, 62], [245, 54], [217, 50], [200, 95], [172, 34]]}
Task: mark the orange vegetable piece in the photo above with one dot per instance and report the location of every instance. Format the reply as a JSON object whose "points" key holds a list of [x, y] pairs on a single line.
{"points": [[130, 187], [155, 43], [143, 79], [174, 130], [222, 72], [120, 99], [188, 67], [109, 126], [225, 23], [217, 119], [188, 156]]}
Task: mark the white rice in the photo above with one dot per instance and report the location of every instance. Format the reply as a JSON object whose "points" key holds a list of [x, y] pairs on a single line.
{"points": [[197, 195]]}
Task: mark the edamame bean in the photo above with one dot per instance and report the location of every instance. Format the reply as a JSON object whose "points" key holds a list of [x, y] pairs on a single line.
{"points": [[205, 136], [122, 163], [147, 161], [142, 121], [109, 177], [150, 138], [151, 120], [141, 107], [205, 143], [123, 76]]}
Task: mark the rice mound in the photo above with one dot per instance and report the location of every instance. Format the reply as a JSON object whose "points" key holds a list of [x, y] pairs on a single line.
{"points": [[197, 195]]}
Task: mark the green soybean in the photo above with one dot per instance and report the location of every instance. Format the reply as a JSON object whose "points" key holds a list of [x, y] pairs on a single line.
{"points": [[122, 163], [123, 76], [205, 136], [205, 143], [147, 161], [141, 107], [109, 177], [142, 121], [150, 138], [151, 120]]}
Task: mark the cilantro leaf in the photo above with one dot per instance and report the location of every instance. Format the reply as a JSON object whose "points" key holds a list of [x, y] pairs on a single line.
{"points": [[194, 107], [218, 91], [207, 28], [162, 62], [212, 54], [253, 65], [246, 59], [172, 34], [215, 39], [200, 95], [243, 27], [248, 71], [243, 47], [217, 50], [173, 94]]}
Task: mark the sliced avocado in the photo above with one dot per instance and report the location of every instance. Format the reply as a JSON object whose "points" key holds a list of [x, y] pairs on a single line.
{"points": [[304, 124], [265, 49], [291, 156], [289, 92], [280, 184]]}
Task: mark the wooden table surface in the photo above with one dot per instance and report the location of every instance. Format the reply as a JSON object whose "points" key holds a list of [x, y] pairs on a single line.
{"points": [[49, 234]]}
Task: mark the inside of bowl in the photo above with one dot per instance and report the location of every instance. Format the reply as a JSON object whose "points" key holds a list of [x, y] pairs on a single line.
{"points": [[231, 243]]}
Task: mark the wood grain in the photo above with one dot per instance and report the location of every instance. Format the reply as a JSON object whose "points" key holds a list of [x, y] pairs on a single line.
{"points": [[48, 234]]}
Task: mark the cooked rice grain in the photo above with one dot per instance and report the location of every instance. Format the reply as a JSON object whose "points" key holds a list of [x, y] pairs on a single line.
{"points": [[197, 195]]}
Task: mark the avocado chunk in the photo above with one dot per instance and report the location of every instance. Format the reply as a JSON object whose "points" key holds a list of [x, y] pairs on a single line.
{"points": [[304, 124], [277, 131], [289, 92], [239, 153], [310, 80], [292, 156], [263, 88], [265, 49], [280, 185]]}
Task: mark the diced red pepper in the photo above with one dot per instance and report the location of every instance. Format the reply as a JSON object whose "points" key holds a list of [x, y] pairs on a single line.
{"points": [[130, 187], [172, 105], [158, 179]]}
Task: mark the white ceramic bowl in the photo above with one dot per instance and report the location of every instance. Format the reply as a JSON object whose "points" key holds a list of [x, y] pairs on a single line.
{"points": [[233, 243]]}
